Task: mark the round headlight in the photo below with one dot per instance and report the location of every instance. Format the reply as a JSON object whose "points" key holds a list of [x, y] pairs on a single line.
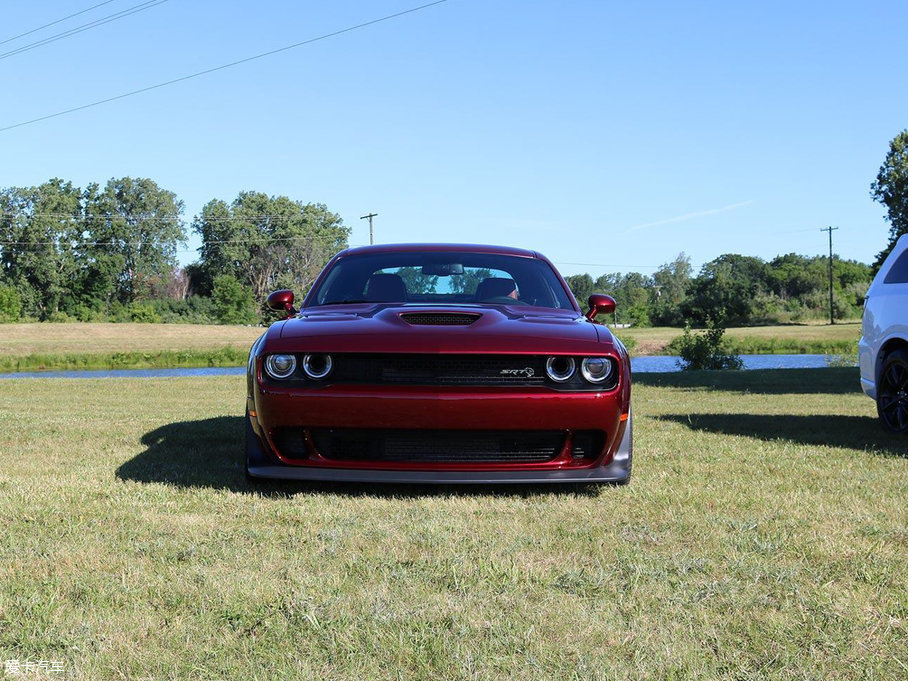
{"points": [[317, 366], [596, 369], [280, 366], [560, 369]]}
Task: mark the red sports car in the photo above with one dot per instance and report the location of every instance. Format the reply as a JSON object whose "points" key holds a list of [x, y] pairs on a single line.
{"points": [[439, 363]]}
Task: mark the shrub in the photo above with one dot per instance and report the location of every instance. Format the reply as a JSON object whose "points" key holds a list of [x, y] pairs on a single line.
{"points": [[85, 313], [191, 310], [10, 304], [705, 349], [144, 313], [637, 315], [233, 302]]}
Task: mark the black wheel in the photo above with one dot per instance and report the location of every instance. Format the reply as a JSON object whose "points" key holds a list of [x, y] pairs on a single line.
{"points": [[892, 393]]}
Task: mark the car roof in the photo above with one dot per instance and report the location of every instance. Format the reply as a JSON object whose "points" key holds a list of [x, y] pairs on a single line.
{"points": [[439, 247]]}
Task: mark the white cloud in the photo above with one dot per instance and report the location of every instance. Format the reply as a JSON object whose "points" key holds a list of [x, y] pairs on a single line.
{"points": [[690, 216]]}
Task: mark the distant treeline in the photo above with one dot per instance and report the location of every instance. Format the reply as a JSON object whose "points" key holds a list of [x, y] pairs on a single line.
{"points": [[109, 253], [736, 290]]}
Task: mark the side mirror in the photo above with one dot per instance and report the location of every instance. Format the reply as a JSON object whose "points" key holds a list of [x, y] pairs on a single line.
{"points": [[281, 301], [600, 304]]}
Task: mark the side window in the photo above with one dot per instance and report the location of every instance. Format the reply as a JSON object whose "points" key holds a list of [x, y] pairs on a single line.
{"points": [[898, 273]]}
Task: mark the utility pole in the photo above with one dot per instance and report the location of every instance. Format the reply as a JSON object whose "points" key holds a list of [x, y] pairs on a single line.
{"points": [[371, 235], [830, 230]]}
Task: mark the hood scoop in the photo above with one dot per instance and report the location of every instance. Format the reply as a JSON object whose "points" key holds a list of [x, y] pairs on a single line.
{"points": [[439, 318]]}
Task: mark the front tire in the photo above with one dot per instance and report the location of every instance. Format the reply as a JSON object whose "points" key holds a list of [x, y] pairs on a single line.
{"points": [[892, 393]]}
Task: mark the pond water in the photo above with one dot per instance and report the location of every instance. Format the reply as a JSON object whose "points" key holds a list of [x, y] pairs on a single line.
{"points": [[662, 364], [656, 364]]}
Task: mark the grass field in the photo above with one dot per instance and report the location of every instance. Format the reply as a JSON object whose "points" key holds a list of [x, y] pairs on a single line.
{"points": [[21, 340], [764, 536], [29, 347]]}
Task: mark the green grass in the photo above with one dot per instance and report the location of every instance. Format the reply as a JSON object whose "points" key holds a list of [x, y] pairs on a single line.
{"points": [[163, 359], [762, 537], [76, 338], [37, 347]]}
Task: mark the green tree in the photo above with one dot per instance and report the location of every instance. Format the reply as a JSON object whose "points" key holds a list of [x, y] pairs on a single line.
{"points": [[233, 303], [793, 276], [671, 282], [582, 286], [891, 189], [633, 293], [727, 286], [10, 304], [133, 228], [41, 227], [267, 242]]}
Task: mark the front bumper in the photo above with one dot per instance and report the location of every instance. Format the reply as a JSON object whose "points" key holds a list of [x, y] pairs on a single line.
{"points": [[616, 470], [866, 357], [416, 409]]}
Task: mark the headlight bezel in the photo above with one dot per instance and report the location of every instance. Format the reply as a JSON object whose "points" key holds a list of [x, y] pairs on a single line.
{"points": [[589, 376], [560, 376], [313, 373], [274, 372]]}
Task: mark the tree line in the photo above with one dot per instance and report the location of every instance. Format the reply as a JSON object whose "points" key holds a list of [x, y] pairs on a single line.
{"points": [[742, 290], [736, 290], [110, 253]]}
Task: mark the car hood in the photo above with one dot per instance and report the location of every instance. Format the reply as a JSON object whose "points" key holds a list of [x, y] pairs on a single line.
{"points": [[383, 328]]}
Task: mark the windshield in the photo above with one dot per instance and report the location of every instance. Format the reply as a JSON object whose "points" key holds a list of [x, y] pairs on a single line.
{"points": [[442, 278]]}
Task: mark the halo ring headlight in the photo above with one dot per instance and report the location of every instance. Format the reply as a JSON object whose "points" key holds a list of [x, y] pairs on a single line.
{"points": [[596, 369], [560, 369], [317, 367], [280, 366]]}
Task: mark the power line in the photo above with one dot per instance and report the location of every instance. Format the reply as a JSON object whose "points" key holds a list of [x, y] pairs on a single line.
{"points": [[85, 27], [225, 66], [151, 218], [70, 16], [73, 243]]}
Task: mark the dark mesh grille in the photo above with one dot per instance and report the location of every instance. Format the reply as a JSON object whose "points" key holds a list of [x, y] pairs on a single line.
{"points": [[437, 446], [290, 442], [440, 369], [587, 444], [439, 318]]}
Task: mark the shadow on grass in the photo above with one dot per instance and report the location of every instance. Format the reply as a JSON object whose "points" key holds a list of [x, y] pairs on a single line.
{"points": [[209, 453], [830, 381], [861, 433]]}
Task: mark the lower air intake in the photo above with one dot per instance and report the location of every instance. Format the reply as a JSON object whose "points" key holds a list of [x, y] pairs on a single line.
{"points": [[438, 446]]}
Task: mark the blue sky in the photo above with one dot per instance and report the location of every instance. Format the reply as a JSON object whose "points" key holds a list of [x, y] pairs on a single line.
{"points": [[609, 136]]}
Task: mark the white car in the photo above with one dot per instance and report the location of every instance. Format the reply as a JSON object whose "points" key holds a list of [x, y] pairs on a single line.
{"points": [[883, 349]]}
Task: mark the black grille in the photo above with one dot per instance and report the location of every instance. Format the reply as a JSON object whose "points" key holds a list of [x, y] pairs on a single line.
{"points": [[290, 442], [440, 369], [438, 446], [439, 318]]}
